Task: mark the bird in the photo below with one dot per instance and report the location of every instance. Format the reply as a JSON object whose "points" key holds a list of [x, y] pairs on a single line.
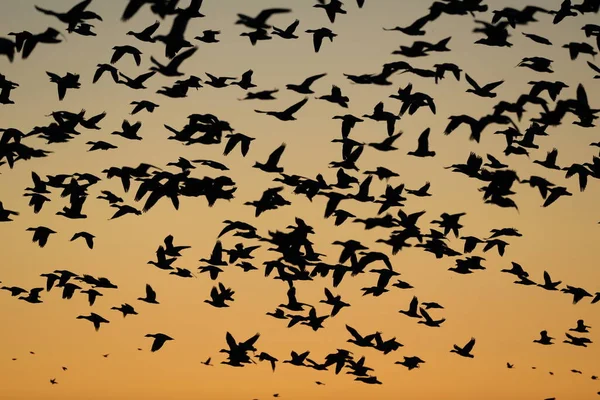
{"points": [[581, 327], [88, 237], [102, 68], [260, 21], [172, 68], [482, 91], [304, 87], [159, 340], [537, 38], [120, 51], [428, 320], [287, 33], [548, 283], [69, 81], [138, 82], [95, 319], [207, 362], [5, 214], [336, 97], [575, 49], [288, 113], [146, 35], [544, 339], [245, 81], [412, 311], [150, 296], [143, 105], [423, 146], [208, 36], [466, 350], [319, 35], [271, 165], [41, 235]]}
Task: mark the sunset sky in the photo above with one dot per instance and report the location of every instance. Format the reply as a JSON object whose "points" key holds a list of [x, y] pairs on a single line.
{"points": [[562, 239]]}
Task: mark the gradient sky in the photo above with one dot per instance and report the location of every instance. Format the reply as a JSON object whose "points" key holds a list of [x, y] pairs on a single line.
{"points": [[505, 318]]}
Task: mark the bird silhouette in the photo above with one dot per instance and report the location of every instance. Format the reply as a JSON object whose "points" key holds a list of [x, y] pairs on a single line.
{"points": [[159, 340], [466, 350], [69, 81], [319, 35], [88, 237], [288, 113], [95, 319]]}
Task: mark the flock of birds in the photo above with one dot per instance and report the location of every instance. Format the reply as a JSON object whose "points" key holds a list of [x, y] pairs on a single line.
{"points": [[297, 259]]}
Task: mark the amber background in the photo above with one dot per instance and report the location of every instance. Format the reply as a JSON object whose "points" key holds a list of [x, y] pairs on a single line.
{"points": [[504, 318]]}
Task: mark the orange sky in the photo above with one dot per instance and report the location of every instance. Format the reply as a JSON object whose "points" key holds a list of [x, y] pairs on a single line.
{"points": [[505, 318]]}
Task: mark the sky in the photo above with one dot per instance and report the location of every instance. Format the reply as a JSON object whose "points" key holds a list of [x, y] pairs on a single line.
{"points": [[504, 318]]}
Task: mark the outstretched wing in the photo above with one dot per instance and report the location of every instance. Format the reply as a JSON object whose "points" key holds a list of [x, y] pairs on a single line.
{"points": [[353, 332], [311, 79], [469, 346], [423, 142], [594, 67], [425, 314], [264, 15], [181, 57], [293, 109], [491, 86], [276, 155], [472, 82]]}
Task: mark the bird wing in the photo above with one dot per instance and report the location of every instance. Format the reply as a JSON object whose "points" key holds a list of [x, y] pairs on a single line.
{"points": [[491, 86], [217, 251], [157, 344], [132, 8], [317, 41], [423, 143], [414, 303], [469, 346], [118, 53], [547, 279], [425, 314], [290, 29], [594, 67], [472, 82], [144, 77], [79, 8], [457, 121], [264, 15], [336, 91], [150, 293], [353, 332], [293, 109], [247, 75], [181, 57], [44, 11], [62, 91], [97, 118], [231, 341], [231, 143], [276, 155], [98, 74], [151, 29], [582, 95], [245, 146], [250, 342]]}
